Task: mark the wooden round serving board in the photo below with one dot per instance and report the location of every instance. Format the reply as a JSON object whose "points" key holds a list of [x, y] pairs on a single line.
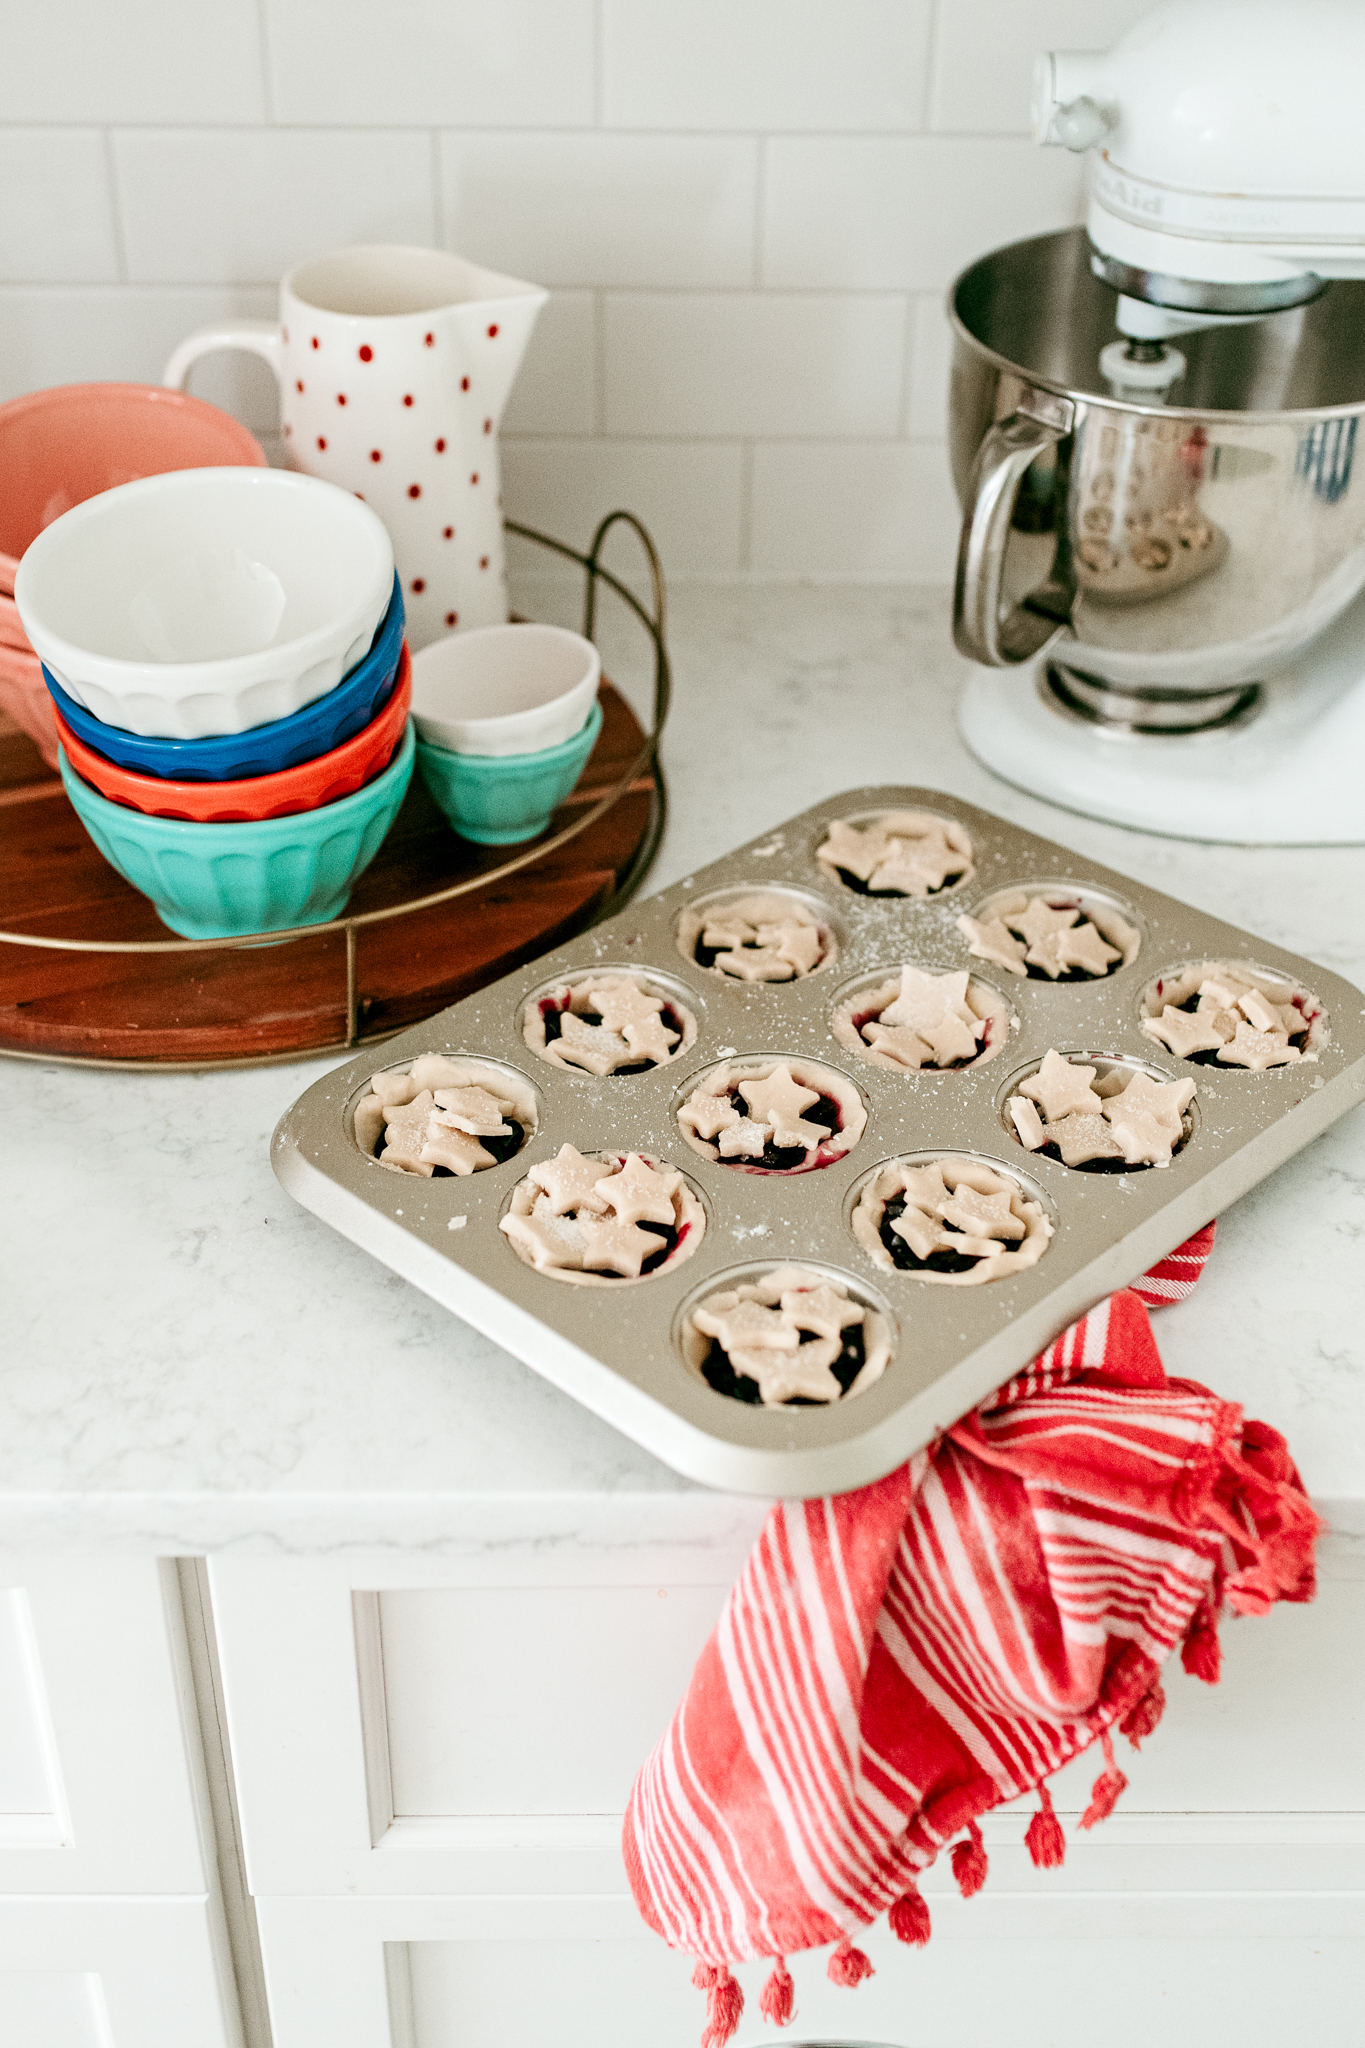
{"points": [[253, 1003]]}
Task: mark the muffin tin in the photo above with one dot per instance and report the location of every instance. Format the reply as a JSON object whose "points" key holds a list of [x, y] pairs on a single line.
{"points": [[626, 1359]]}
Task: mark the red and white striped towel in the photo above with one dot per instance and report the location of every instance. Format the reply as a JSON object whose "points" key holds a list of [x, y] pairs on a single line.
{"points": [[894, 1662]]}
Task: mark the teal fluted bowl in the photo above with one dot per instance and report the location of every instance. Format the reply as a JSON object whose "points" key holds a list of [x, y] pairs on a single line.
{"points": [[232, 881], [497, 799]]}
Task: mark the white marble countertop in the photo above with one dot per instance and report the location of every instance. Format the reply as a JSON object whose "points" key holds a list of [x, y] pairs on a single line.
{"points": [[193, 1362]]}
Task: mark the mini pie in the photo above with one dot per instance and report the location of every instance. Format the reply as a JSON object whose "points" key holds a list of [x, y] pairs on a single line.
{"points": [[1223, 1011], [1052, 937], [793, 1337], [444, 1116], [773, 1116], [902, 853], [957, 1222], [1112, 1125], [607, 1024], [763, 937], [603, 1218], [924, 1020]]}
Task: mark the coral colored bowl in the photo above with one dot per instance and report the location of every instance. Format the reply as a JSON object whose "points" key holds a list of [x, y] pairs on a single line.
{"points": [[499, 799], [233, 881], [307, 788], [266, 749], [62, 446]]}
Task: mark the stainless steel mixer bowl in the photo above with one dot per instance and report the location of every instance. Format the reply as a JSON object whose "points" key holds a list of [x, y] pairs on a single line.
{"points": [[1159, 552]]}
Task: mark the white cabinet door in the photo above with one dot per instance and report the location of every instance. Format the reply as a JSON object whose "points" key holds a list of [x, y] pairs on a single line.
{"points": [[96, 1792], [111, 1973]]}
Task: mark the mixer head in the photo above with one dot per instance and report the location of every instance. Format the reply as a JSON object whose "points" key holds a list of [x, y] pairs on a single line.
{"points": [[1227, 177]]}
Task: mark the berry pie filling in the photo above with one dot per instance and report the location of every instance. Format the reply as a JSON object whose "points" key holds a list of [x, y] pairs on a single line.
{"points": [[773, 1116], [1226, 1013], [762, 937], [607, 1024], [793, 1338], [602, 1218], [1054, 936], [924, 1020], [957, 1222], [444, 1116], [903, 853], [1111, 1123]]}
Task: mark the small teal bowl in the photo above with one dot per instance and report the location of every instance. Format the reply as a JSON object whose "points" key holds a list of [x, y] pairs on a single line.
{"points": [[232, 881], [498, 799]]}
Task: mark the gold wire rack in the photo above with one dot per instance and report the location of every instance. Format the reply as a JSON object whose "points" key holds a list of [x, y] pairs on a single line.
{"points": [[645, 763]]}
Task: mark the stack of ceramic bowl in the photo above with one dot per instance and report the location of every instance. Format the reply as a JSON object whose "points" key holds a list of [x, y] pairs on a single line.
{"points": [[63, 445], [224, 652], [506, 718]]}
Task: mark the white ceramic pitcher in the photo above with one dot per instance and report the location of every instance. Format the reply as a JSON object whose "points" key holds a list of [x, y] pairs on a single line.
{"points": [[394, 366]]}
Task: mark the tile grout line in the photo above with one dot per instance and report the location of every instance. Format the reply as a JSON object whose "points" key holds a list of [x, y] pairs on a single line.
{"points": [[746, 506], [760, 203], [115, 209], [438, 203], [931, 68], [267, 82], [599, 38]]}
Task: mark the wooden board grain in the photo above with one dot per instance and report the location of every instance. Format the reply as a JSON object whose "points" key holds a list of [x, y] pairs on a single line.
{"points": [[273, 1000]]}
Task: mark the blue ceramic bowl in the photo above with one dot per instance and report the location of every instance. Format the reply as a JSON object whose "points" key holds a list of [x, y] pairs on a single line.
{"points": [[497, 799], [230, 881], [286, 743]]}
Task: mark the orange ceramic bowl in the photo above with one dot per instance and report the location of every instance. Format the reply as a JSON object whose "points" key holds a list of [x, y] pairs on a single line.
{"points": [[64, 445], [305, 788]]}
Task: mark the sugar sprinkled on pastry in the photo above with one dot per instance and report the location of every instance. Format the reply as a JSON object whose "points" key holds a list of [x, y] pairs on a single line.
{"points": [[598, 1222], [954, 1222], [902, 853], [1220, 1013], [923, 1020], [785, 1336]]}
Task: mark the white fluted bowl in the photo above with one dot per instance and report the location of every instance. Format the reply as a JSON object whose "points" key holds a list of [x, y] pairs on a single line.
{"points": [[206, 601]]}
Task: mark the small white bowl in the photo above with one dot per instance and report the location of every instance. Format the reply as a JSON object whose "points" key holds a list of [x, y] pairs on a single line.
{"points": [[504, 689], [206, 601]]}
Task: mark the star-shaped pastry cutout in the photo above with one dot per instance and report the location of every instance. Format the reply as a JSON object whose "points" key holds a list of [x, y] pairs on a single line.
{"points": [[1038, 920], [547, 1240], [613, 1246], [850, 848], [744, 1139], [1165, 1101], [925, 1187], [1027, 1122], [394, 1090], [990, 939], [952, 1040], [927, 998], [709, 1115], [591, 1046], [1145, 1141], [456, 1150], [801, 944], [744, 1325], [640, 1193], [406, 1133], [634, 1015], [1258, 1049], [470, 1109], [1185, 1032], [1082, 1136], [1061, 1089], [1084, 946], [568, 1180], [823, 1310], [756, 963], [803, 1374], [903, 1045], [923, 1234], [981, 1215], [778, 1102], [913, 870]]}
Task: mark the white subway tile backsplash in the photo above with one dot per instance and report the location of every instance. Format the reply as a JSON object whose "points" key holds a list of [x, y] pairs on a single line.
{"points": [[131, 60], [858, 212], [511, 63], [204, 205], [930, 366], [556, 387], [758, 64], [749, 364], [853, 508], [56, 223], [604, 209], [985, 49], [78, 336], [688, 494]]}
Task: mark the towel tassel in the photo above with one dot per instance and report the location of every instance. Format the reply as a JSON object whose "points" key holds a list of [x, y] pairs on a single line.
{"points": [[724, 2003], [1104, 1793], [1044, 1840], [777, 2001], [847, 1967], [1144, 1714], [1201, 1653], [970, 1863], [909, 1917]]}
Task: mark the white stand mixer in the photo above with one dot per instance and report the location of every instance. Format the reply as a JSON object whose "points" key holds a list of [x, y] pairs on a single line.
{"points": [[1221, 700]]}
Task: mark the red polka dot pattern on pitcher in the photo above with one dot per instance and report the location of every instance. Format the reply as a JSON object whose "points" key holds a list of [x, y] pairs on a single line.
{"points": [[322, 440], [474, 476], [452, 618], [341, 398], [483, 561], [316, 342], [447, 533], [441, 446], [298, 383], [428, 341], [419, 584], [488, 426], [376, 455], [365, 352], [407, 398], [464, 383], [414, 490], [492, 332]]}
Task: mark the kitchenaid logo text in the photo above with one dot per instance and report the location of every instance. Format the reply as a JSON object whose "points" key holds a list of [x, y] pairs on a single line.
{"points": [[1226, 216]]}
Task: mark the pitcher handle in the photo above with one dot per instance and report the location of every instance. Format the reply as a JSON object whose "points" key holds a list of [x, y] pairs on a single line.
{"points": [[1041, 421], [259, 337]]}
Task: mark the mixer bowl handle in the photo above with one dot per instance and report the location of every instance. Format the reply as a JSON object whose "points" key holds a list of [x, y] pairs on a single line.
{"points": [[1041, 421]]}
